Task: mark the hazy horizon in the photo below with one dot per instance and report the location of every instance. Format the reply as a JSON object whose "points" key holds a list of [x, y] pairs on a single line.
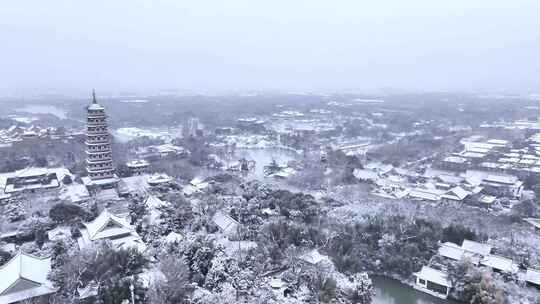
{"points": [[319, 46]]}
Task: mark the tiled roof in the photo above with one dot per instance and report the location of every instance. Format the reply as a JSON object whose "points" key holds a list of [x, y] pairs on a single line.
{"points": [[26, 267]]}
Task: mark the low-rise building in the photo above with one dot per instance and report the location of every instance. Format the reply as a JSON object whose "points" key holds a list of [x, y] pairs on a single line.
{"points": [[456, 195], [495, 184], [365, 175], [313, 258], [158, 179], [33, 179], [59, 233], [433, 281], [196, 185], [424, 194], [226, 224]]}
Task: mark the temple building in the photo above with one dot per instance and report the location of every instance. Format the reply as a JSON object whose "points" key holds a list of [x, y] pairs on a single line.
{"points": [[24, 279], [99, 161], [112, 228]]}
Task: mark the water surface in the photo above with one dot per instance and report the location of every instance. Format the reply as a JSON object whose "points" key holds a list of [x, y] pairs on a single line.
{"points": [[389, 291]]}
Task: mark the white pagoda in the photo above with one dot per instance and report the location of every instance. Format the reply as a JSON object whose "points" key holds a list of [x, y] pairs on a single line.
{"points": [[99, 161]]}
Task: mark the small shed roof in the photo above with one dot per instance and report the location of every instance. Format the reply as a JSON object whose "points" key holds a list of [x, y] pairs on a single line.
{"points": [[225, 223], [313, 257]]}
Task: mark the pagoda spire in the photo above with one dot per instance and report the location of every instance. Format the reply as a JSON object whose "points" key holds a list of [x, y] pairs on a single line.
{"points": [[94, 96]]}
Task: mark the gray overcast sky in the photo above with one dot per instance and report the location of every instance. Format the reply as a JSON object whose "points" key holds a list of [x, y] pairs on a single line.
{"points": [[315, 45]]}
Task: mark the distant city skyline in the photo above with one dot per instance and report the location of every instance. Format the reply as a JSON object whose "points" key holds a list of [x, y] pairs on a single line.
{"points": [[63, 47]]}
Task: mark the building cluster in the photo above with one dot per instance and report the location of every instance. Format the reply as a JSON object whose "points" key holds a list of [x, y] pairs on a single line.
{"points": [[33, 179], [20, 133], [497, 155], [160, 151], [434, 278], [463, 177], [473, 187]]}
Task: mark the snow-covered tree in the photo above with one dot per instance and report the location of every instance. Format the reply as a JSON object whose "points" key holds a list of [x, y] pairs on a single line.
{"points": [[362, 292]]}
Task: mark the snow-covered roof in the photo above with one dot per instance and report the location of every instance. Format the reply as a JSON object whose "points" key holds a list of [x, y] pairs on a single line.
{"points": [[501, 179], [107, 225], [189, 190], [159, 179], [277, 283], [196, 181], [499, 263], [364, 174], [173, 237], [498, 142], [457, 193], [74, 193], [533, 276], [233, 248], [31, 171], [450, 179], [475, 247], [225, 223], [434, 275], [451, 251], [469, 154], [425, 194], [455, 252], [28, 270], [379, 167], [138, 163], [9, 247], [285, 172], [313, 257], [168, 148], [59, 233], [487, 199], [88, 291], [153, 202], [455, 159], [131, 241], [533, 221], [134, 184]]}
